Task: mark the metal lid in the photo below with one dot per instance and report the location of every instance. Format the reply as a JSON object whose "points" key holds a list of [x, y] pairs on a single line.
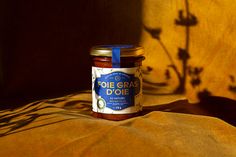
{"points": [[125, 50]]}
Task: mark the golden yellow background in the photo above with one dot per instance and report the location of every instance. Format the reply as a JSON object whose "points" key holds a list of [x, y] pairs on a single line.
{"points": [[211, 45]]}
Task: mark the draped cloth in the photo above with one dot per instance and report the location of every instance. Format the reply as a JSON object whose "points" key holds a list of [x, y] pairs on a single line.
{"points": [[64, 127]]}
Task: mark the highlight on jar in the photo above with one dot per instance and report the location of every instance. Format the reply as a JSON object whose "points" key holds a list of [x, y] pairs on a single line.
{"points": [[116, 81]]}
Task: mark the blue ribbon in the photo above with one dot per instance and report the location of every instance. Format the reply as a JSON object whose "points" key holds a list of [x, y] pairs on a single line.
{"points": [[116, 53], [116, 57]]}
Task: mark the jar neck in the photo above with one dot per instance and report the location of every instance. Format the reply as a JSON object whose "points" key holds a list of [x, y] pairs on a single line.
{"points": [[125, 62]]}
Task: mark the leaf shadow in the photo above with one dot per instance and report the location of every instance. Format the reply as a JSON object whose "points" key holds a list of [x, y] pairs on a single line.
{"points": [[42, 113], [187, 20]]}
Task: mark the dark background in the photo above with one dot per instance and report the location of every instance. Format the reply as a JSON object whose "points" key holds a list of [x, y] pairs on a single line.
{"points": [[44, 45]]}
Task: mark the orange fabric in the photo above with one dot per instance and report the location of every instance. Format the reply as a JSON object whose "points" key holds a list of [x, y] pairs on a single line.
{"points": [[63, 127]]}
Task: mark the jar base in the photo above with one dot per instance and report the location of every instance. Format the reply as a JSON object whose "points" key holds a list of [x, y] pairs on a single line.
{"points": [[115, 117]]}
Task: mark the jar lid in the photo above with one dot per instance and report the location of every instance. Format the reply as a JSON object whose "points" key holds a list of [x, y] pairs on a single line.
{"points": [[125, 50]]}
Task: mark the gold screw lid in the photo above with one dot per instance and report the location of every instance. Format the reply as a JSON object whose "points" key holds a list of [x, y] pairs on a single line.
{"points": [[125, 50]]}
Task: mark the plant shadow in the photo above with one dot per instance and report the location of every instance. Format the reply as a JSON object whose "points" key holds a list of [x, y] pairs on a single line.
{"points": [[187, 20], [42, 113]]}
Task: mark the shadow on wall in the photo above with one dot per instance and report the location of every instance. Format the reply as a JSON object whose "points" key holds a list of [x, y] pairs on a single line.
{"points": [[232, 85], [46, 44], [185, 72], [187, 20]]}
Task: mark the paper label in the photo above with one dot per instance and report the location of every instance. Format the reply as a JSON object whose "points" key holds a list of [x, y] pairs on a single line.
{"points": [[116, 90]]}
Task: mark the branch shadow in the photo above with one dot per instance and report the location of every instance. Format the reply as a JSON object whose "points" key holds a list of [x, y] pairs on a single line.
{"points": [[185, 19], [232, 85]]}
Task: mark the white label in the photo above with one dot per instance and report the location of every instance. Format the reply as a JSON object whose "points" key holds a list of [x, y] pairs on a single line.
{"points": [[116, 90]]}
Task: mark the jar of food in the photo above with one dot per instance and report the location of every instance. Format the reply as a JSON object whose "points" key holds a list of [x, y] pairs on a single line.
{"points": [[116, 81]]}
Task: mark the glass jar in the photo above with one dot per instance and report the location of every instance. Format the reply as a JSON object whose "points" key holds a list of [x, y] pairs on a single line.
{"points": [[116, 81]]}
